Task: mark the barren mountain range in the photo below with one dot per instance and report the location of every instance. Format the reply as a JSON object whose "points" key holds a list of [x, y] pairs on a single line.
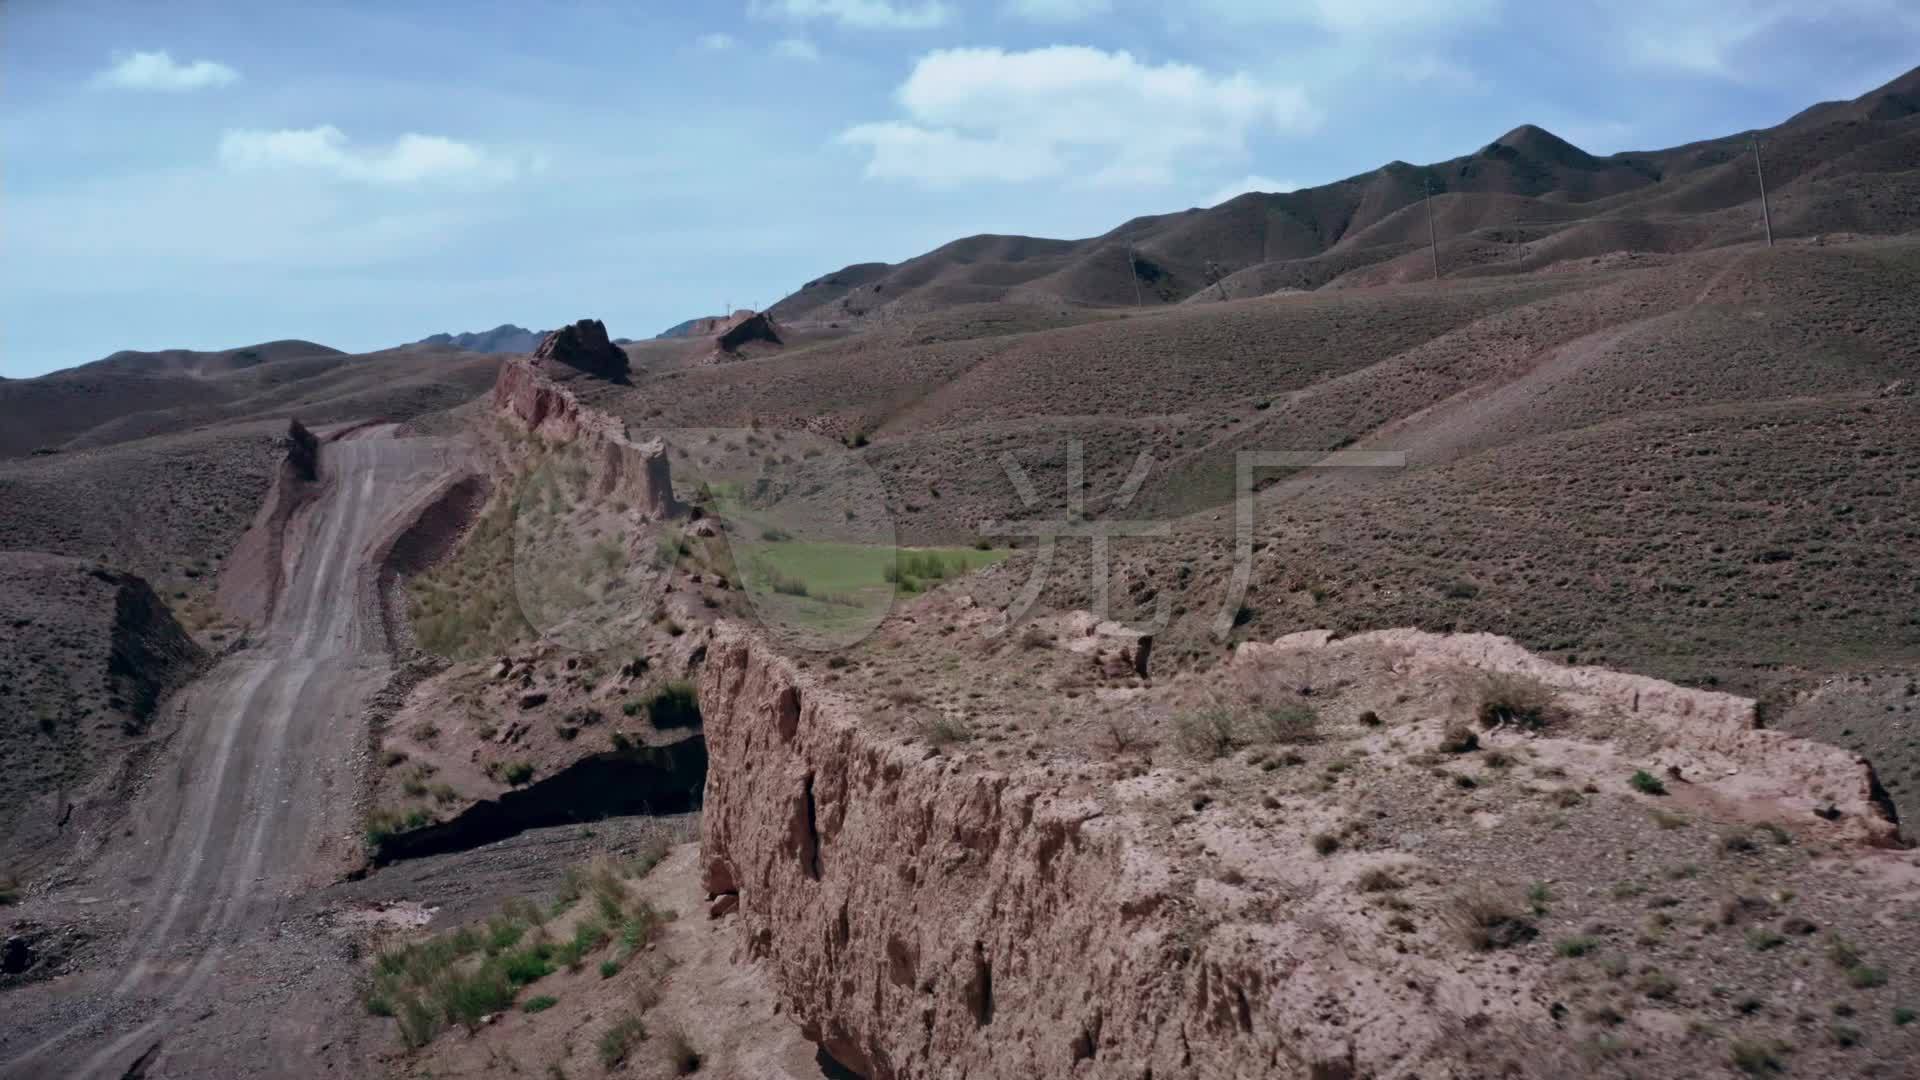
{"points": [[750, 702]]}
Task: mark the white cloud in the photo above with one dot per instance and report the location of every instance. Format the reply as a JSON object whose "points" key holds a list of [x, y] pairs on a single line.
{"points": [[1105, 117], [1058, 11], [159, 71], [860, 14], [1248, 183], [794, 48], [1358, 17], [941, 158], [715, 42], [410, 159]]}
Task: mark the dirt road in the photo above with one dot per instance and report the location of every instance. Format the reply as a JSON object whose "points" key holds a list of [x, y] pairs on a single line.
{"points": [[252, 808]]}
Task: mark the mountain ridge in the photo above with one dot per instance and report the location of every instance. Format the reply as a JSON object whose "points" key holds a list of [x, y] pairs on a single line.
{"points": [[1670, 195]]}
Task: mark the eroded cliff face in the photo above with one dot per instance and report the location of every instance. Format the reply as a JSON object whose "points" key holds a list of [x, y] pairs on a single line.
{"points": [[926, 919], [250, 581], [985, 915], [637, 473]]}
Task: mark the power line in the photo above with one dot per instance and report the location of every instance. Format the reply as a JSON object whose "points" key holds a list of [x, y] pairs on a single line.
{"points": [[1766, 214], [1433, 237]]}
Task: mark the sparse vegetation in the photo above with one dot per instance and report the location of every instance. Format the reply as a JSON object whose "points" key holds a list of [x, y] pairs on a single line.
{"points": [[540, 1004], [1756, 1058], [1486, 920], [1290, 723], [940, 731], [1459, 739], [1516, 700], [674, 704], [1207, 734], [1646, 783], [680, 1053], [619, 1040]]}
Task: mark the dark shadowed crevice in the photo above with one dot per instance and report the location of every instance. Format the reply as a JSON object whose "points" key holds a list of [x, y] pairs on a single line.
{"points": [[646, 780]]}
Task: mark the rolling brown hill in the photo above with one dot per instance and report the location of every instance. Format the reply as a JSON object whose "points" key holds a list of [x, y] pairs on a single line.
{"points": [[1527, 199], [136, 395]]}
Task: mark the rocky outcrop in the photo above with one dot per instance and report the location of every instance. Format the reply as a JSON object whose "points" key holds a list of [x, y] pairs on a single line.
{"points": [[582, 347], [250, 579], [746, 328], [637, 473], [1116, 651]]}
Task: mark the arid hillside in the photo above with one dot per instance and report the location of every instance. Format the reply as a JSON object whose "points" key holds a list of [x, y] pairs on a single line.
{"points": [[138, 395], [1622, 458], [1524, 200]]}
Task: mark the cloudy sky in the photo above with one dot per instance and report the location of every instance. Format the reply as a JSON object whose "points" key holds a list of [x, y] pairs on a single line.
{"points": [[205, 175]]}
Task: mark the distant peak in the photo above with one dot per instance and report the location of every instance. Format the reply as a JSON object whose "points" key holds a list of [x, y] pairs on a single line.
{"points": [[1531, 140]]}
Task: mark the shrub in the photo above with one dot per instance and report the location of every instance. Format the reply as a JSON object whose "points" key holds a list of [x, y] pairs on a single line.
{"points": [[786, 584], [1576, 946], [1325, 843], [1902, 1016], [517, 772], [1516, 700], [1657, 985], [1646, 783], [1379, 879], [774, 535], [466, 997], [1862, 977], [680, 1052], [945, 731], [527, 965], [609, 968], [540, 1004], [1485, 920], [1290, 723], [1755, 1058], [674, 705], [9, 892], [1208, 734], [1459, 739], [620, 1039], [1842, 953]]}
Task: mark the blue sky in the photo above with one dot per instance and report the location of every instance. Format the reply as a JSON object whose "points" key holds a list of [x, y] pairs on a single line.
{"points": [[205, 175]]}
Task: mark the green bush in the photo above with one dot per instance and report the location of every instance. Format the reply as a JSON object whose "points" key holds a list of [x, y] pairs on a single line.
{"points": [[528, 965], [517, 772], [674, 705], [540, 1004], [1646, 783], [619, 1040]]}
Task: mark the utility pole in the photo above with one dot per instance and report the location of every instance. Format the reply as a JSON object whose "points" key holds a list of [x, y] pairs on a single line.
{"points": [[1766, 214], [1133, 271], [1433, 237]]}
